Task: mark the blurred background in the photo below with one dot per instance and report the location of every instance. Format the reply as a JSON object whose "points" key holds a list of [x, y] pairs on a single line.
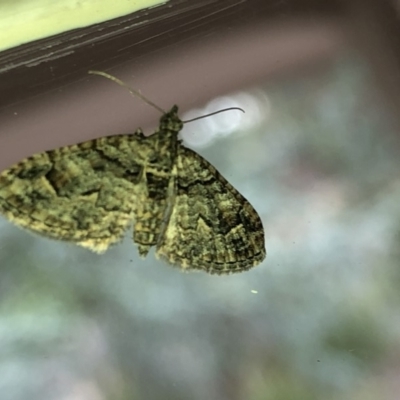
{"points": [[317, 155]]}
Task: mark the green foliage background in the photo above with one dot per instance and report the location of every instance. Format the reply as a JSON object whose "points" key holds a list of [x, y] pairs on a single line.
{"points": [[322, 169]]}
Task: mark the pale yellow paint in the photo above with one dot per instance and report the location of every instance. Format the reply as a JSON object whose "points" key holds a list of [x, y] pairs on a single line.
{"points": [[23, 21]]}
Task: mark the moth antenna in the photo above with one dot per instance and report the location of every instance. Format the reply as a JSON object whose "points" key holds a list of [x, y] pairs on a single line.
{"points": [[133, 92], [213, 113]]}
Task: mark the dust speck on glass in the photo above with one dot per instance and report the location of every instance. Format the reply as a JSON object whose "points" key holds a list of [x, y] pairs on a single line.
{"points": [[92, 192]]}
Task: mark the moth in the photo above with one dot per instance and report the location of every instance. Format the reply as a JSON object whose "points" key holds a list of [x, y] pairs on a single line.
{"points": [[91, 193]]}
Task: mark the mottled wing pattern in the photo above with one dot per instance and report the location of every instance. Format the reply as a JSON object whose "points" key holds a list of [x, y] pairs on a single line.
{"points": [[151, 202], [81, 193], [153, 192], [211, 227], [90, 193]]}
